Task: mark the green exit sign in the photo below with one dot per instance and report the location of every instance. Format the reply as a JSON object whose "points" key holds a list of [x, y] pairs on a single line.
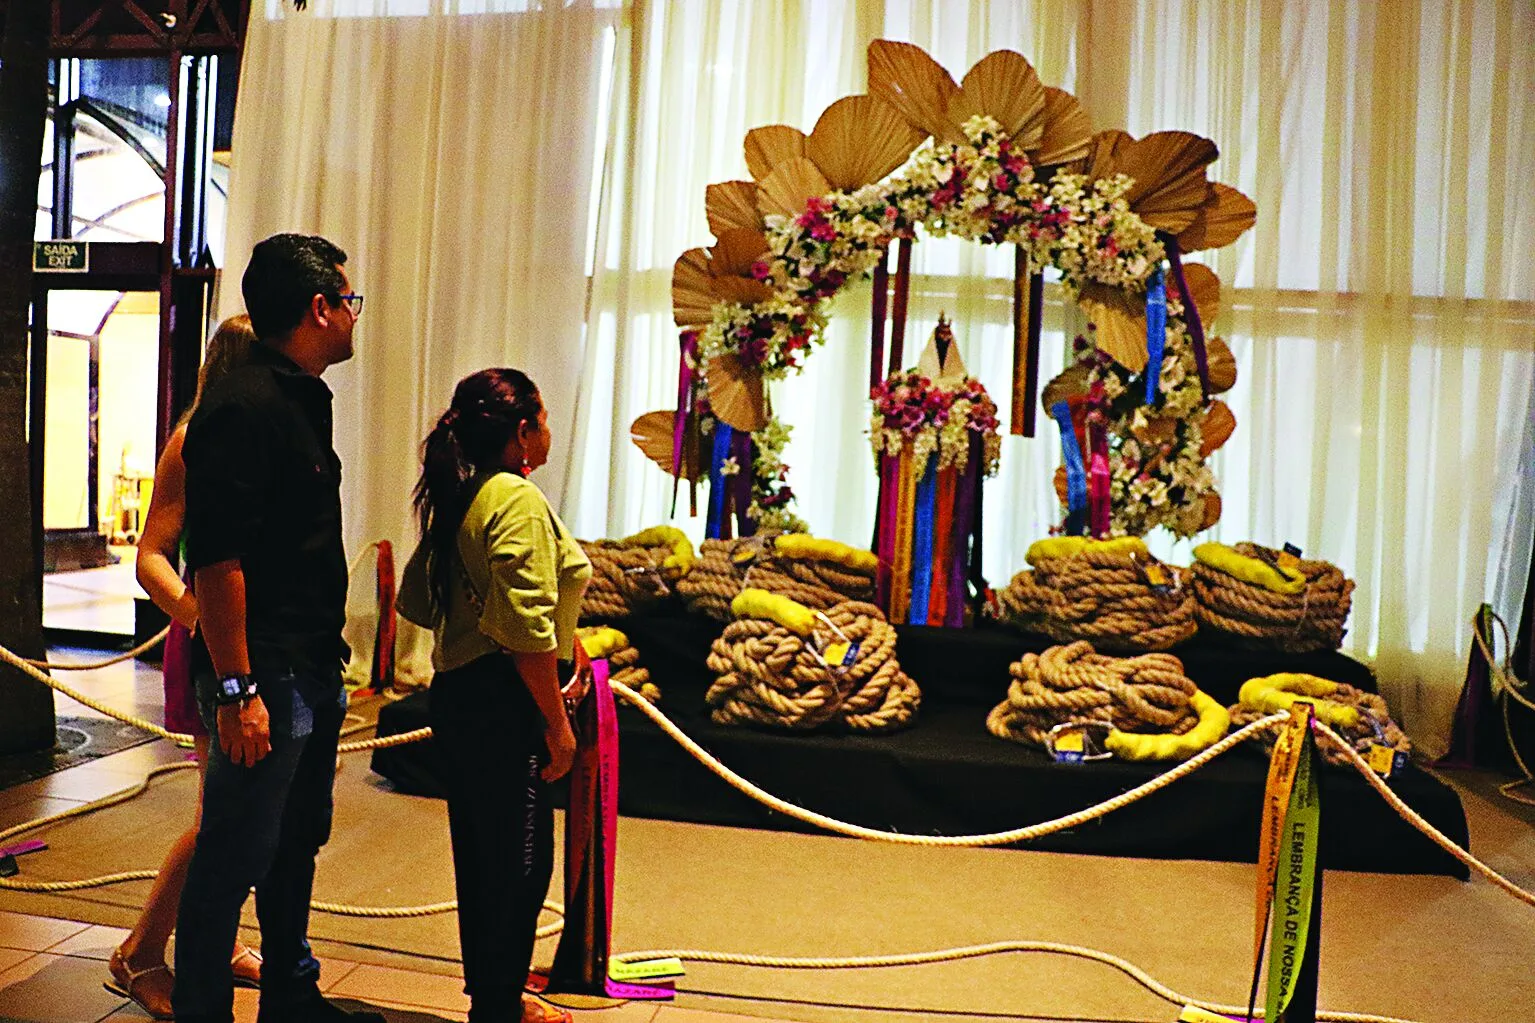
{"points": [[68, 257]]}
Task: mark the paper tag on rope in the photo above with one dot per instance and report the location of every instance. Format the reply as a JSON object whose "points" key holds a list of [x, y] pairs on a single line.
{"points": [[1292, 948], [1288, 558]]}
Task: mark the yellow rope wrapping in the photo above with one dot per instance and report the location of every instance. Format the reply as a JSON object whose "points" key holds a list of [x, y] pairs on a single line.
{"points": [[1349, 712], [1148, 693], [799, 571], [1260, 618], [635, 573], [1099, 591], [768, 674]]}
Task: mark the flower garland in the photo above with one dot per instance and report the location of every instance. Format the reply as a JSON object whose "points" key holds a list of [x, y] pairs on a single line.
{"points": [[1157, 471], [982, 189], [910, 408]]}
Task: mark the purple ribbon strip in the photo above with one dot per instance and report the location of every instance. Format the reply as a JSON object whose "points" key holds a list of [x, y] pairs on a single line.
{"points": [[1190, 314], [741, 448], [689, 345]]}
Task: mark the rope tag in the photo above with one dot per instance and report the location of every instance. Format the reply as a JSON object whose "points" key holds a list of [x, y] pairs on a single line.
{"points": [[1158, 579], [837, 655], [1289, 558], [1076, 742], [749, 550], [1383, 758], [661, 589]]}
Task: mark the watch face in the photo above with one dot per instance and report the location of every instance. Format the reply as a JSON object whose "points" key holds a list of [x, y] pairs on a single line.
{"points": [[231, 687]]}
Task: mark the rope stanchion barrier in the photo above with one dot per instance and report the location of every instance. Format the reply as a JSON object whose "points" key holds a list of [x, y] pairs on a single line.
{"points": [[782, 665], [1112, 593], [1270, 600], [127, 655], [817, 573], [1506, 688]]}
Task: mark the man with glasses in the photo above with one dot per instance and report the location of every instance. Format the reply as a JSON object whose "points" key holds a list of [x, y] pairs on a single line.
{"points": [[263, 536]]}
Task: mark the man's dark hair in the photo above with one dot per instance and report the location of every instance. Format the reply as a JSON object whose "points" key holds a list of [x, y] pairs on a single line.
{"points": [[286, 271]]}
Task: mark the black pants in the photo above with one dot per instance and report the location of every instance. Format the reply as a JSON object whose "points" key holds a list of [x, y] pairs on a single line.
{"points": [[490, 736]]}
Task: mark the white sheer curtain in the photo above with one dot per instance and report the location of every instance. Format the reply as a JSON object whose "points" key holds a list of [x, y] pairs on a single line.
{"points": [[1382, 311], [448, 147]]}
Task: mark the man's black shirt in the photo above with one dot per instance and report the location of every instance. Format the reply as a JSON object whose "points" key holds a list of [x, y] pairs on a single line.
{"points": [[264, 487]]}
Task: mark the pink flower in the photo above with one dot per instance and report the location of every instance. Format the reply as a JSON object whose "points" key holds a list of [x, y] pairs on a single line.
{"points": [[1000, 183], [823, 232]]}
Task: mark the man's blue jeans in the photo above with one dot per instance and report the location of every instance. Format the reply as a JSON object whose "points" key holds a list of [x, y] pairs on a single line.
{"points": [[262, 827]]}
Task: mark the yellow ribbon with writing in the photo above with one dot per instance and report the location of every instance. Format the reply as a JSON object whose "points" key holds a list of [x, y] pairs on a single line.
{"points": [[1283, 767]]}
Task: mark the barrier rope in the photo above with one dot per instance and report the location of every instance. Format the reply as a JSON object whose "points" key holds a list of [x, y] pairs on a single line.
{"points": [[142, 648], [1072, 684], [1310, 618], [768, 674], [1102, 594], [1506, 687]]}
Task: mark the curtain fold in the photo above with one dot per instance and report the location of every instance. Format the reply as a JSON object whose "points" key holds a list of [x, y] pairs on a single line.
{"points": [[1382, 311]]}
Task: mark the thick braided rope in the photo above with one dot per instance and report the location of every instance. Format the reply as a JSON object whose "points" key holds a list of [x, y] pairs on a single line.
{"points": [[626, 578], [1074, 685], [768, 675], [127, 655], [1370, 705], [1101, 596], [1313, 619], [624, 667], [719, 576]]}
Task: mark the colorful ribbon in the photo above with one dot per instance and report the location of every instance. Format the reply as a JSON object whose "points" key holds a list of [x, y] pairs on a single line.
{"points": [[741, 451], [1076, 472], [943, 550], [1156, 332], [714, 522], [922, 542], [1190, 314], [1098, 479]]}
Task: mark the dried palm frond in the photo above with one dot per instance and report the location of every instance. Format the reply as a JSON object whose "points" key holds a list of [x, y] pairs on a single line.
{"points": [[1204, 289], [1220, 221], [1120, 319], [732, 204], [915, 84], [693, 295], [1067, 130], [652, 434], [1004, 86], [1222, 365], [736, 393], [1216, 426], [790, 185], [859, 140], [769, 146]]}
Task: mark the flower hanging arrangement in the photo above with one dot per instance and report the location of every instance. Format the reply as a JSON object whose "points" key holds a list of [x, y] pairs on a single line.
{"points": [[941, 416]]}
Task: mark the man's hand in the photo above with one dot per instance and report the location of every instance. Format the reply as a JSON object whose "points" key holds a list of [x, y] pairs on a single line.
{"points": [[562, 749], [245, 731]]}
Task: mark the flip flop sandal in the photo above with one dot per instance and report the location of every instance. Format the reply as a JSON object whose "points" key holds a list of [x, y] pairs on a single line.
{"points": [[247, 968], [546, 1013], [125, 983]]}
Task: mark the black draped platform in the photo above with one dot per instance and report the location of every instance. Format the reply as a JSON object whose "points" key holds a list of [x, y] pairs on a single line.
{"points": [[948, 775]]}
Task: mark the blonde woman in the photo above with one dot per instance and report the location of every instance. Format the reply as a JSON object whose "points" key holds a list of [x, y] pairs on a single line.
{"points": [[138, 966]]}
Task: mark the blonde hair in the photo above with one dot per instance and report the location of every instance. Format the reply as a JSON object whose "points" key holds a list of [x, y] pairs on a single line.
{"points": [[228, 349]]}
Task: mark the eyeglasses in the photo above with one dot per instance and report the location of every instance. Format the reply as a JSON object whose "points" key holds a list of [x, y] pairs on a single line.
{"points": [[353, 304]]}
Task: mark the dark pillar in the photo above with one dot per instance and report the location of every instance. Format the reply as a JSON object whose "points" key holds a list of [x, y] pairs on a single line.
{"points": [[26, 707]]}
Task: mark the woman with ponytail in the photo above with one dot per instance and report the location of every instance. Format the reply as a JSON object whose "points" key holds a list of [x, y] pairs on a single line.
{"points": [[499, 579]]}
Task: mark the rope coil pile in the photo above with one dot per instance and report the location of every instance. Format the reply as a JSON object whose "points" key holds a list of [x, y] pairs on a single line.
{"points": [[1154, 710], [634, 574], [784, 665], [816, 573], [623, 658], [1112, 593], [1353, 714], [1249, 594]]}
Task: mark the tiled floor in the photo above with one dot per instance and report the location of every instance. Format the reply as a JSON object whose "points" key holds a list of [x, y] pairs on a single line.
{"points": [[51, 971], [93, 599]]}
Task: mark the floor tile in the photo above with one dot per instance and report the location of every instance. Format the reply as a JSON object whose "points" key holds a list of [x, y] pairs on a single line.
{"points": [[92, 943], [35, 933], [55, 989], [12, 956], [333, 972], [629, 1012], [676, 1014], [402, 987]]}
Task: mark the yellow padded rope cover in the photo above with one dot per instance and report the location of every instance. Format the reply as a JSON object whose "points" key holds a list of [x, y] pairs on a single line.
{"points": [[681, 557], [801, 545], [1213, 722], [792, 615], [1250, 570], [1071, 546], [601, 640], [1277, 693]]}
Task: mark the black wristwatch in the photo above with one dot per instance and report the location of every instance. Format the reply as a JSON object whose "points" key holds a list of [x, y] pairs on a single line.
{"points": [[234, 689]]}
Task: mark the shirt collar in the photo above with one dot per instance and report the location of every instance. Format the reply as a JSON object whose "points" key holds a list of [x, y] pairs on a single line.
{"points": [[264, 354]]}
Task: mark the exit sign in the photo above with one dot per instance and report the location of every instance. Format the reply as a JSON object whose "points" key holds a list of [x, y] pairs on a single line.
{"points": [[66, 257]]}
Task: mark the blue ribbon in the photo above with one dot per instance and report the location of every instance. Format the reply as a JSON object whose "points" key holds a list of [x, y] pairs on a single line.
{"points": [[1076, 471], [717, 484], [1156, 332], [922, 542]]}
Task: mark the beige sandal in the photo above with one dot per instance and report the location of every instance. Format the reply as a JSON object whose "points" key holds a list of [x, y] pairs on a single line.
{"points": [[151, 996], [535, 1010], [246, 965]]}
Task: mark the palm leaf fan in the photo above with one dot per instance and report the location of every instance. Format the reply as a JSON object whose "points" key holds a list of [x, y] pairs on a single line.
{"points": [[1223, 218], [1102, 154], [1070, 383], [737, 251], [859, 140], [652, 434], [1205, 290], [692, 289], [769, 146], [1212, 510], [736, 393], [915, 84], [1216, 425], [1168, 168], [791, 184], [1120, 319], [1067, 132], [730, 205], [1005, 87]]}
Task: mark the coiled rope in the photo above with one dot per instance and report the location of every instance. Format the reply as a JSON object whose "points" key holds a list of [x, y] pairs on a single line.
{"points": [[1361, 718], [841, 670], [635, 573], [1074, 685], [1242, 591], [1111, 592], [726, 567]]}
